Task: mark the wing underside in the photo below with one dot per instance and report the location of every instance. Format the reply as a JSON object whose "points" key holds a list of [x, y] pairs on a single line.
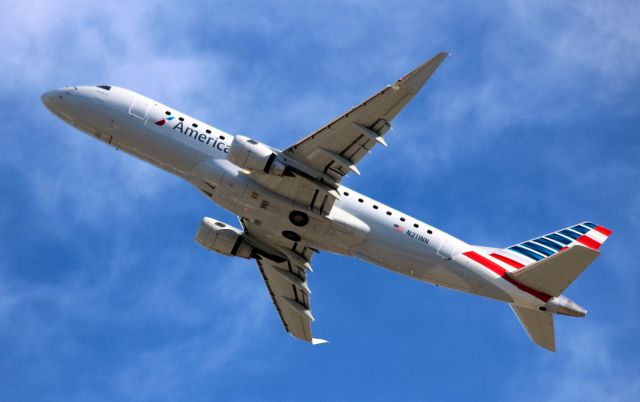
{"points": [[290, 295], [335, 149], [284, 268]]}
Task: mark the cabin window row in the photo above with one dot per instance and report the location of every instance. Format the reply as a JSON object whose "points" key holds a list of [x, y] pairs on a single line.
{"points": [[194, 125], [389, 213]]}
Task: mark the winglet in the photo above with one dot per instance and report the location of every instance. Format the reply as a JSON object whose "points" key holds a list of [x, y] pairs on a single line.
{"points": [[318, 341], [416, 79]]}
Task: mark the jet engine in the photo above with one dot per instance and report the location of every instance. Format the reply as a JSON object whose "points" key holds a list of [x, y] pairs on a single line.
{"points": [[222, 238], [254, 156]]}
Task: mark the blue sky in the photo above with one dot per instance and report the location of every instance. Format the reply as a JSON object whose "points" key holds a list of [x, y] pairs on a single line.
{"points": [[530, 126]]}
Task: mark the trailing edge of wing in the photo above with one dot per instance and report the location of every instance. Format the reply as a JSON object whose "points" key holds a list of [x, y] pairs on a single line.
{"points": [[291, 302]]}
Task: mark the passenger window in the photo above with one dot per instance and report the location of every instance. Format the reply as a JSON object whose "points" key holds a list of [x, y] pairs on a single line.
{"points": [[168, 113], [389, 213], [402, 219]]}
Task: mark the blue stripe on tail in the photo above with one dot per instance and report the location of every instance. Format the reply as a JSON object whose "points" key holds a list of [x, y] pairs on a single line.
{"points": [[548, 243], [527, 253], [561, 239], [540, 249]]}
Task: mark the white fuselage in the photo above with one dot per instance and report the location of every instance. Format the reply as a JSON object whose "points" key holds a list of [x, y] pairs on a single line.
{"points": [[357, 225]]}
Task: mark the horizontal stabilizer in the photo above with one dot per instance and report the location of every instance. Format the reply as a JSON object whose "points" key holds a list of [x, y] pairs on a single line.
{"points": [[555, 273], [539, 326]]}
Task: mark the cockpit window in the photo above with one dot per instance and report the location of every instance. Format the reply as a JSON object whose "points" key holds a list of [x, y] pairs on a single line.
{"points": [[105, 87]]}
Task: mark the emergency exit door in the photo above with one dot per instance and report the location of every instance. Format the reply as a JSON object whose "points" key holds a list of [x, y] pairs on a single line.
{"points": [[140, 107]]}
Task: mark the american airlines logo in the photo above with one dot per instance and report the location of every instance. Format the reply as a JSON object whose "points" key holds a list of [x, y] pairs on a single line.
{"points": [[213, 142], [162, 121]]}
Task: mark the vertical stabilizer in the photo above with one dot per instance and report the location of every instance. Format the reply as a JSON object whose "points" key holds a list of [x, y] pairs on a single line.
{"points": [[523, 254], [554, 274]]}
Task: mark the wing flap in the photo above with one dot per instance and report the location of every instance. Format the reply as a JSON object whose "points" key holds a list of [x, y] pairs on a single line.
{"points": [[291, 301]]}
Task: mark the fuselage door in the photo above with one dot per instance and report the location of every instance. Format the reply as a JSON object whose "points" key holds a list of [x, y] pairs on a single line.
{"points": [[140, 107], [447, 249]]}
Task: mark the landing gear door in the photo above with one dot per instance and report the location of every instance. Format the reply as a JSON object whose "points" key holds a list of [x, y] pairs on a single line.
{"points": [[139, 108]]}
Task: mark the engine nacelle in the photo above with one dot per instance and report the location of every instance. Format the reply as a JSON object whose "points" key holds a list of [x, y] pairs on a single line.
{"points": [[254, 156], [222, 238]]}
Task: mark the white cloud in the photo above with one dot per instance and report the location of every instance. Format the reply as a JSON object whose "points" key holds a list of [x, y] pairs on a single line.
{"points": [[542, 62], [587, 370], [216, 311], [78, 178], [239, 319]]}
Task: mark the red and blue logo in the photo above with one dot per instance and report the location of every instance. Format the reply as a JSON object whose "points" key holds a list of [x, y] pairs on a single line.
{"points": [[162, 121]]}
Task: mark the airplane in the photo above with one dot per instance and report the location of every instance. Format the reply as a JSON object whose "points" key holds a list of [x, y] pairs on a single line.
{"points": [[291, 205]]}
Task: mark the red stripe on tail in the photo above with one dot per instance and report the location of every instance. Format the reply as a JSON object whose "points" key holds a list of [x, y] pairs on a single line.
{"points": [[503, 274], [589, 242], [603, 230], [507, 260]]}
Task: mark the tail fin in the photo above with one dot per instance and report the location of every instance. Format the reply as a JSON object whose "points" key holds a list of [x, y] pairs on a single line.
{"points": [[550, 264], [554, 274], [536, 250], [539, 326]]}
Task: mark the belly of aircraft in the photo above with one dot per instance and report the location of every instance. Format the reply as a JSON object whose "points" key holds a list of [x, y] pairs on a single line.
{"points": [[426, 266]]}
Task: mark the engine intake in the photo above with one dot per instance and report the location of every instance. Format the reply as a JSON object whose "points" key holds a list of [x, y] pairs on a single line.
{"points": [[222, 238], [254, 156]]}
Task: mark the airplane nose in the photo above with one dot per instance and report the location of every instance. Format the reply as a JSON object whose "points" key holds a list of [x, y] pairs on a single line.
{"points": [[51, 98], [61, 102]]}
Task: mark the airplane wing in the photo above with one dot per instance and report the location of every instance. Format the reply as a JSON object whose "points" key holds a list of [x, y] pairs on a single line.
{"points": [[335, 149], [284, 270], [322, 160], [318, 162]]}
